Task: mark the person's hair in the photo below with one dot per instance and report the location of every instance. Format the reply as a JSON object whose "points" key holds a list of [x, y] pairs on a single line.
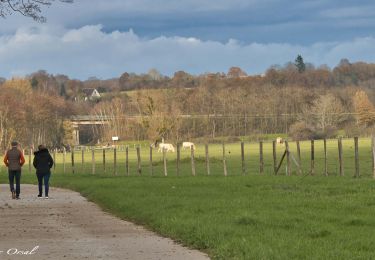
{"points": [[41, 147], [14, 143]]}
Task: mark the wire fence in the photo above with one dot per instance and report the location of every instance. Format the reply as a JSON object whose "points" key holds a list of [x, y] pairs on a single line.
{"points": [[337, 157]]}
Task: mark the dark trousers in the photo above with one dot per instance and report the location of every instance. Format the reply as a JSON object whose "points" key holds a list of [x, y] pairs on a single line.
{"points": [[45, 178], [15, 175]]}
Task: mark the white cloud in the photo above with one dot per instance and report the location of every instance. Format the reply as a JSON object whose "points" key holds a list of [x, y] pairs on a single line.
{"points": [[349, 12], [293, 21], [89, 51], [162, 6]]}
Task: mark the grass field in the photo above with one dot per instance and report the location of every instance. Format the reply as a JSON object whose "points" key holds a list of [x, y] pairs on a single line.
{"points": [[242, 217]]}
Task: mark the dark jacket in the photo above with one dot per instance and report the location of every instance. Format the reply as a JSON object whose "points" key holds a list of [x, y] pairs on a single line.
{"points": [[43, 162], [14, 159]]}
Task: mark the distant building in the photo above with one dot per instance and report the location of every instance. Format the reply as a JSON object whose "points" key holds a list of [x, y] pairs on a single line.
{"points": [[91, 94]]}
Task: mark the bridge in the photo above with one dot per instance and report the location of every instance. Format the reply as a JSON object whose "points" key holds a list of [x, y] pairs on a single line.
{"points": [[86, 120]]}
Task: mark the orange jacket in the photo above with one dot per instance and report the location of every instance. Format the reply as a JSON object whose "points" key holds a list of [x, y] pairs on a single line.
{"points": [[11, 162]]}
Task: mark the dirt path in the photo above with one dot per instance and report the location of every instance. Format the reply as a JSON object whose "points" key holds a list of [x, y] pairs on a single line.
{"points": [[67, 226]]}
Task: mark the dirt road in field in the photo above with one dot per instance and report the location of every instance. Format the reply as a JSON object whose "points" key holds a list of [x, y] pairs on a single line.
{"points": [[67, 226]]}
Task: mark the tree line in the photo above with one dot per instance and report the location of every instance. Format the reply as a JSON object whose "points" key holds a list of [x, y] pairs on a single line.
{"points": [[296, 99]]}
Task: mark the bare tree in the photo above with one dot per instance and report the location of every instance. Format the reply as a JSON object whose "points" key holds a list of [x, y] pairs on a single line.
{"points": [[28, 8], [328, 111]]}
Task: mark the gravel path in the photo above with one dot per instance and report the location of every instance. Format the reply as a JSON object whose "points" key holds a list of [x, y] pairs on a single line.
{"points": [[67, 226]]}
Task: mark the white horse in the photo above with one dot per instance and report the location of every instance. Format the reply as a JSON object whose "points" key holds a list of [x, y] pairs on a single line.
{"points": [[188, 145], [167, 147], [279, 140]]}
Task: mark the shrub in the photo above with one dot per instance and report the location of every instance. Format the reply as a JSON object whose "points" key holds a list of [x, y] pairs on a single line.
{"points": [[301, 131], [329, 132]]}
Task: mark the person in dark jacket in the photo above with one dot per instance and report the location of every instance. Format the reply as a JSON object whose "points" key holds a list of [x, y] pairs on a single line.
{"points": [[14, 160], [43, 163]]}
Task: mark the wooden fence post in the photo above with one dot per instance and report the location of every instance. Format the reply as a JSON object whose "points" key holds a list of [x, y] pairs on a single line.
{"points": [[82, 160], [356, 156], [127, 160], [93, 159], [139, 160], [243, 158], [325, 157], [151, 166], [341, 167], [115, 160], [261, 162], [207, 159], [104, 161], [288, 169], [165, 162], [224, 161], [64, 155], [281, 161], [312, 167], [178, 159], [72, 154], [299, 157], [274, 156], [192, 160]]}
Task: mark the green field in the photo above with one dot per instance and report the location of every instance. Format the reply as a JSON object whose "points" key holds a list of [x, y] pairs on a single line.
{"points": [[240, 217]]}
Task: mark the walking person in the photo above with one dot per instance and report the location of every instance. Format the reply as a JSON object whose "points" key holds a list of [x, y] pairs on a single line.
{"points": [[43, 163], [14, 160]]}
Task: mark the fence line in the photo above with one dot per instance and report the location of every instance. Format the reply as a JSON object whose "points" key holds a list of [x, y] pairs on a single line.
{"points": [[233, 159]]}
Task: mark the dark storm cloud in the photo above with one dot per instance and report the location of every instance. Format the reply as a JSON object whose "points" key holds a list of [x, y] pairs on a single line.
{"points": [[105, 38]]}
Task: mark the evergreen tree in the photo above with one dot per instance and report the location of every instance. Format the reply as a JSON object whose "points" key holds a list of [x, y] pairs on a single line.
{"points": [[62, 90], [34, 83], [300, 64]]}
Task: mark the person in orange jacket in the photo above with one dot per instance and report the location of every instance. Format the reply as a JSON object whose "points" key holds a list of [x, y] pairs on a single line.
{"points": [[14, 160]]}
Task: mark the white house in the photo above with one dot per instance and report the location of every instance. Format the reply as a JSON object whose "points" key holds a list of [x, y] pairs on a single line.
{"points": [[91, 94]]}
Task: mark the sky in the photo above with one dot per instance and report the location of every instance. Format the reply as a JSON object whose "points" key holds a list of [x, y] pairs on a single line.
{"points": [[103, 39]]}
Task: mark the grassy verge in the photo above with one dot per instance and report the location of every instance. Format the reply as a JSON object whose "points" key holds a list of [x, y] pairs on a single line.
{"points": [[243, 217]]}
